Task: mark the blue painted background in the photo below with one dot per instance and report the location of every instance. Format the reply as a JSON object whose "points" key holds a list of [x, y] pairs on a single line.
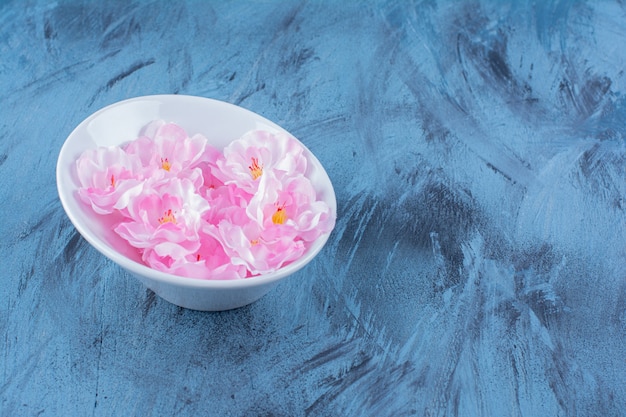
{"points": [[478, 266]]}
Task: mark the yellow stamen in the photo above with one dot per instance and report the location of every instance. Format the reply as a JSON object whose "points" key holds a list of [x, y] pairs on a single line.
{"points": [[256, 170], [168, 217], [280, 216], [254, 242], [165, 164]]}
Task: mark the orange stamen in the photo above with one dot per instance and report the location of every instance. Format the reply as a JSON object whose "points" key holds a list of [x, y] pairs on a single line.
{"points": [[165, 164], [254, 242], [256, 170], [113, 181], [280, 216], [168, 217]]}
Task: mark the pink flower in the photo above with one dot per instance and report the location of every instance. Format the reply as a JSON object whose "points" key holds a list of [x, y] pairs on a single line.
{"points": [[290, 207], [168, 152], [247, 159], [248, 244], [165, 220], [208, 262], [108, 179]]}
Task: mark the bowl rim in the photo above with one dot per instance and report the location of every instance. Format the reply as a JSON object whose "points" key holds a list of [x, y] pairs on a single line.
{"points": [[66, 192]]}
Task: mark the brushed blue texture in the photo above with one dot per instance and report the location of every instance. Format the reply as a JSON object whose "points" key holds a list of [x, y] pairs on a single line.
{"points": [[478, 267]]}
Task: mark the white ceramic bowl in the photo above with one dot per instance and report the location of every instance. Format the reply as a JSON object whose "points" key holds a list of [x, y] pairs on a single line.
{"points": [[220, 123]]}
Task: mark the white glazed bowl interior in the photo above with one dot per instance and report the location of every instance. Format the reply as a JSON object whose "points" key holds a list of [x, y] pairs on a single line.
{"points": [[220, 123]]}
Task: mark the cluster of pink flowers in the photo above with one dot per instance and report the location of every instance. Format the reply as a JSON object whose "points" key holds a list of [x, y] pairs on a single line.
{"points": [[195, 211]]}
